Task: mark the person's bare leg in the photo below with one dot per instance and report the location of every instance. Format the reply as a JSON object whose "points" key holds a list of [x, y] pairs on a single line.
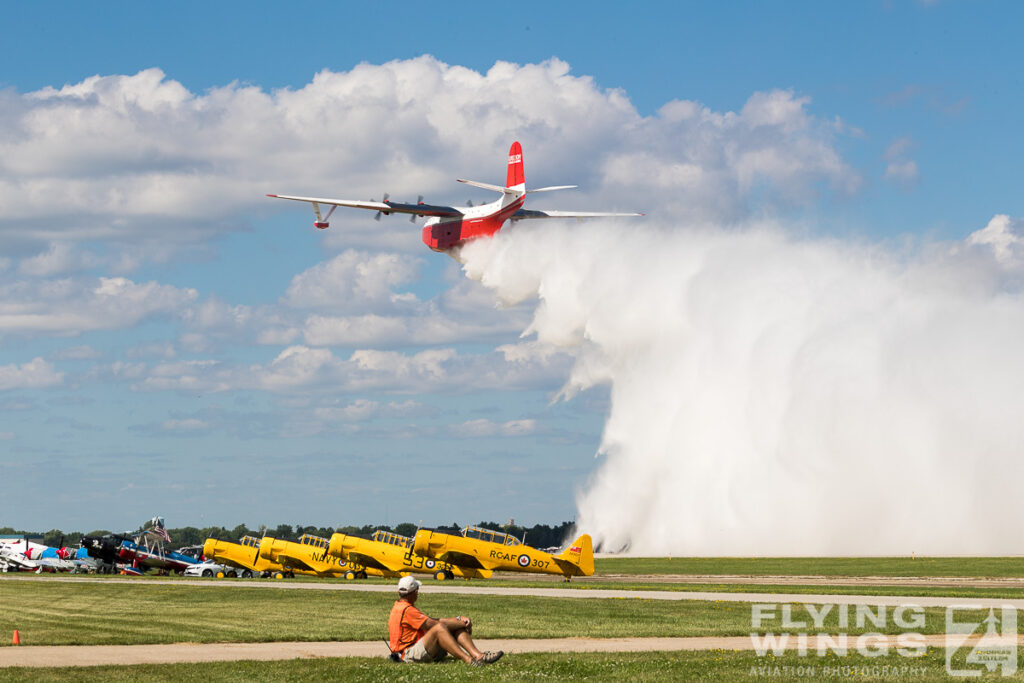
{"points": [[466, 641], [441, 637]]}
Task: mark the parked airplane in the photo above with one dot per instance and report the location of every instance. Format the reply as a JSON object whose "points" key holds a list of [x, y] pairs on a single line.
{"points": [[448, 227], [47, 558], [484, 549], [150, 551], [108, 551], [143, 556], [243, 556], [308, 555], [392, 555], [23, 548], [12, 558]]}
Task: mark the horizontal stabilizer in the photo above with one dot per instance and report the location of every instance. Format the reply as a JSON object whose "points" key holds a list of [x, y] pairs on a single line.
{"points": [[488, 186], [553, 187]]}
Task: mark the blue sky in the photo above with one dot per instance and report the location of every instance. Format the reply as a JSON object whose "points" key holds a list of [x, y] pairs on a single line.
{"points": [[173, 343]]}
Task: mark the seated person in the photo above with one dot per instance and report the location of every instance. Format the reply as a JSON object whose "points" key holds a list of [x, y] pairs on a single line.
{"points": [[415, 637]]}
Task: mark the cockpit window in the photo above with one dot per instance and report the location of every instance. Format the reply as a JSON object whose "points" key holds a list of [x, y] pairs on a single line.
{"points": [[490, 536]]}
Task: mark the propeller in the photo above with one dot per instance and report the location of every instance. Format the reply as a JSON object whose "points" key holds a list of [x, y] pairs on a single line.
{"points": [[376, 216], [419, 200], [469, 202]]}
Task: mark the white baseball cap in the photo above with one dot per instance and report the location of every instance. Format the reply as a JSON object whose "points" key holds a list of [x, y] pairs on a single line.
{"points": [[408, 584]]}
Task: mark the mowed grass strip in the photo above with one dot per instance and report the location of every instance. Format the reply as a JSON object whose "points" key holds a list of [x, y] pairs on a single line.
{"points": [[994, 567], [648, 666], [52, 613]]}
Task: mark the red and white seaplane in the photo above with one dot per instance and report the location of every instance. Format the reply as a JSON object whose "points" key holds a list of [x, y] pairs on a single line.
{"points": [[448, 227]]}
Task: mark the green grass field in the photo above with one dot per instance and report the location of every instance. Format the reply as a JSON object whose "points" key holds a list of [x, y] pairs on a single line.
{"points": [[72, 613], [713, 665], [123, 611]]}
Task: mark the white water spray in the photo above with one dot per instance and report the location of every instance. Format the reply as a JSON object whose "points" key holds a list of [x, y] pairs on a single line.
{"points": [[781, 396]]}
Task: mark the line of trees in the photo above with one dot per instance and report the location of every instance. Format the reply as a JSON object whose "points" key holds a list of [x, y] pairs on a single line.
{"points": [[538, 536]]}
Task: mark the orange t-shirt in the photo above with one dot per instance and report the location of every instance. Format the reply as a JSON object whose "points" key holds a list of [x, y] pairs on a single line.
{"points": [[405, 626]]}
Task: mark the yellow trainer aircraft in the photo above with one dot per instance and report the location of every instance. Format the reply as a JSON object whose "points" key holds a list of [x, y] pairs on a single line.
{"points": [[392, 555], [487, 550], [243, 556], [308, 556]]}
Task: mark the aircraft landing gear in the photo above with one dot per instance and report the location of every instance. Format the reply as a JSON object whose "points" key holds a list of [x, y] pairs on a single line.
{"points": [[350, 575], [247, 574], [443, 575], [361, 574]]}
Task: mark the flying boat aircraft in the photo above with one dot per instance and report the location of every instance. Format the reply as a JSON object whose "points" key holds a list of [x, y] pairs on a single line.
{"points": [[448, 227]]}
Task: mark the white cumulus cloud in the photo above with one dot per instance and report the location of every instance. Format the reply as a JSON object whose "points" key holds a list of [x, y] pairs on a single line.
{"points": [[70, 306], [483, 428], [354, 281], [35, 374], [140, 159], [1001, 237]]}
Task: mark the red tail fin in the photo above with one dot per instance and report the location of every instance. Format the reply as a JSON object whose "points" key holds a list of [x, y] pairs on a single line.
{"points": [[516, 174]]}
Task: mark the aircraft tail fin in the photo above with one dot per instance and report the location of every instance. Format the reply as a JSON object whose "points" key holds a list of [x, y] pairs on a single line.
{"points": [[578, 558], [516, 178]]}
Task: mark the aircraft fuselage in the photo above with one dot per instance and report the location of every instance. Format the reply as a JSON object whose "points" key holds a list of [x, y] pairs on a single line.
{"points": [[445, 234]]}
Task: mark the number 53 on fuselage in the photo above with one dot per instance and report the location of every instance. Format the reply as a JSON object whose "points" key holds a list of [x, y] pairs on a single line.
{"points": [[447, 227]]}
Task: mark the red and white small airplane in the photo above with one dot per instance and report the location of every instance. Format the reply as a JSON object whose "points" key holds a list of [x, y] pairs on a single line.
{"points": [[448, 227]]}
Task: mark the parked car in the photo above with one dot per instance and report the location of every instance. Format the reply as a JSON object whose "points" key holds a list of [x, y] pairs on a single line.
{"points": [[207, 568]]}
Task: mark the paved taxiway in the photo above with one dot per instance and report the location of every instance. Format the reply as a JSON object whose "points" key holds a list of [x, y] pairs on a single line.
{"points": [[98, 655]]}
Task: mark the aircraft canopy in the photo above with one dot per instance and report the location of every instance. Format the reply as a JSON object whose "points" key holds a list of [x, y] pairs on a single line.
{"points": [[391, 538], [490, 536]]}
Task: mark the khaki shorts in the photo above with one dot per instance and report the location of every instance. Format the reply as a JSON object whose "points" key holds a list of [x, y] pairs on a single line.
{"points": [[417, 653]]}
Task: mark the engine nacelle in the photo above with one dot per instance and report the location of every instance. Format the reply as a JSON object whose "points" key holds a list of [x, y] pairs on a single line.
{"points": [[321, 224]]}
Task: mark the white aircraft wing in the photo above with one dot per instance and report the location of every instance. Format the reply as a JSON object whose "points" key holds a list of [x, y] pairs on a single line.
{"points": [[11, 558], [527, 213], [384, 207]]}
